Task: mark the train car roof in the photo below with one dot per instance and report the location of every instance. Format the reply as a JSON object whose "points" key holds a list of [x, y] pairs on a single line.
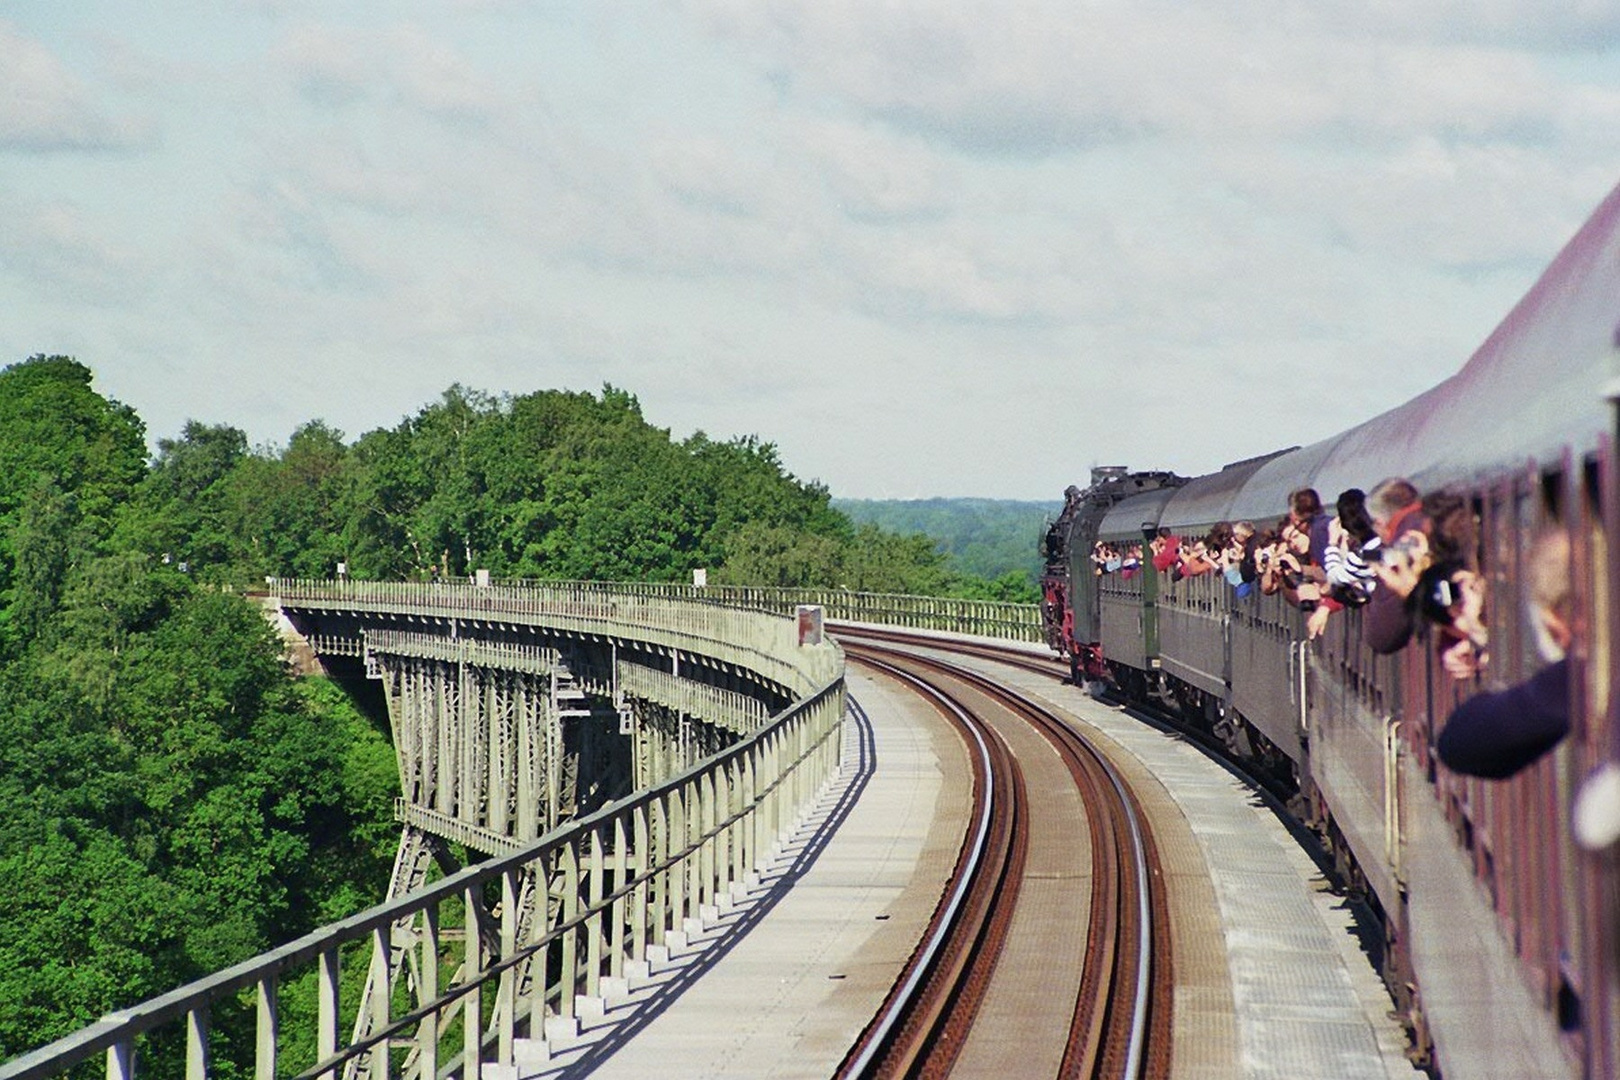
{"points": [[1126, 519], [1264, 499], [1212, 498]]}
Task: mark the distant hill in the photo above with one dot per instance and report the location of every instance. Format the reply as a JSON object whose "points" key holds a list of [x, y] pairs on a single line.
{"points": [[986, 537]]}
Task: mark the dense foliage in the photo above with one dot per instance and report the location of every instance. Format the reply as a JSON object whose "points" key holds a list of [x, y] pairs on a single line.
{"points": [[993, 544], [553, 485], [175, 800]]}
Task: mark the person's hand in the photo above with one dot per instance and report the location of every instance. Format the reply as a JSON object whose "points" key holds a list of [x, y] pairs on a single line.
{"points": [[1403, 564], [1461, 660], [1316, 624], [1468, 615]]}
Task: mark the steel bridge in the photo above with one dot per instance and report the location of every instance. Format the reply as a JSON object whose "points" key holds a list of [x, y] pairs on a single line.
{"points": [[611, 762]]}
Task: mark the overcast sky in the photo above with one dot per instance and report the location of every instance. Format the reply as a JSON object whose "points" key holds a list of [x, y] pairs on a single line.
{"points": [[964, 247]]}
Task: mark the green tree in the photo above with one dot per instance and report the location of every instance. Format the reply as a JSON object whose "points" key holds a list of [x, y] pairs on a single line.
{"points": [[184, 507], [878, 561], [176, 801], [72, 458]]}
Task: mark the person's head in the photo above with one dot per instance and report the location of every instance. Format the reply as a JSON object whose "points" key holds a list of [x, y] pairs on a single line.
{"points": [[1551, 603], [1220, 535], [1451, 526], [1304, 504], [1295, 537], [1243, 532], [1353, 516], [1388, 498]]}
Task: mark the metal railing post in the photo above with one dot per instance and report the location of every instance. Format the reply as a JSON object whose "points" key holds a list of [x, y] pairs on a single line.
{"points": [[326, 1030], [267, 1029], [427, 1032], [472, 1002]]}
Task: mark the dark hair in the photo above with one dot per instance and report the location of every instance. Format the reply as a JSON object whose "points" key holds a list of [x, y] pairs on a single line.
{"points": [[1305, 503], [1451, 526], [1353, 516], [1219, 536]]}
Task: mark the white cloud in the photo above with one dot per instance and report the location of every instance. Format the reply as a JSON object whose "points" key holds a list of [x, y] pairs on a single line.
{"points": [[404, 65], [44, 106], [783, 218], [875, 176], [57, 250], [1050, 75]]}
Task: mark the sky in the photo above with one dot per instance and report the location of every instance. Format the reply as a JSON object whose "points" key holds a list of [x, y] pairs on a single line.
{"points": [[958, 247]]}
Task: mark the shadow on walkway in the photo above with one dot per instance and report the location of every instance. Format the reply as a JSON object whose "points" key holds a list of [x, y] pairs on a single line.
{"points": [[604, 1037]]}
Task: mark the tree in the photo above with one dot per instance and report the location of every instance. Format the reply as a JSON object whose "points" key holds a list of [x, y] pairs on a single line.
{"points": [[72, 458], [184, 508]]}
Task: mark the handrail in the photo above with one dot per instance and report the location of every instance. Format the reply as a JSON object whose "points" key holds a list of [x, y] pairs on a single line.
{"points": [[988, 618]]}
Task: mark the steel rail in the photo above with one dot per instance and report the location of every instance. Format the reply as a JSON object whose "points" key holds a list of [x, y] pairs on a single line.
{"points": [[1122, 968], [920, 1025], [1106, 1029]]}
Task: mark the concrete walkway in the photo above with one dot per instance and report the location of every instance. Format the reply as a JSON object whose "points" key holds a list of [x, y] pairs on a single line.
{"points": [[784, 982]]}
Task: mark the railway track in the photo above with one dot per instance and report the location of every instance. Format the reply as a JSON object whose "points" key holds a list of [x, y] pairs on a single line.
{"points": [[1118, 1022]]}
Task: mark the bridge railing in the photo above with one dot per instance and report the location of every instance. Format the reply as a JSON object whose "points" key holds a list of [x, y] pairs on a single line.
{"points": [[986, 618], [742, 634], [622, 883]]}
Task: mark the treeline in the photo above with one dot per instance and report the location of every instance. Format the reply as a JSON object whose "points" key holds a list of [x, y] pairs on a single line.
{"points": [[174, 801], [996, 541], [551, 485]]}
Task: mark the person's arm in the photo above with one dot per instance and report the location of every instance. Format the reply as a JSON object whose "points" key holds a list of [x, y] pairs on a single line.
{"points": [[1386, 623], [1495, 735]]}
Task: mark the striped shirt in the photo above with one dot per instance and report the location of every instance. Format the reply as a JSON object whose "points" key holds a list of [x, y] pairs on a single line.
{"points": [[1347, 569]]}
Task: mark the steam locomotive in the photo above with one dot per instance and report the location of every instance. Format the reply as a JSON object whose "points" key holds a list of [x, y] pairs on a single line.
{"points": [[1498, 931]]}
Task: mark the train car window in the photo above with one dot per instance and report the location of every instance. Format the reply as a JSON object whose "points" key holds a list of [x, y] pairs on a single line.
{"points": [[1589, 550], [1552, 491]]}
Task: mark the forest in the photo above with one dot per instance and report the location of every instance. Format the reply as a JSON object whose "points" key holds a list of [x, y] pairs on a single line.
{"points": [[993, 540], [177, 801]]}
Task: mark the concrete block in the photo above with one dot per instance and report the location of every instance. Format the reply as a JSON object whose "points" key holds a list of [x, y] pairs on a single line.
{"points": [[561, 1029], [530, 1052]]}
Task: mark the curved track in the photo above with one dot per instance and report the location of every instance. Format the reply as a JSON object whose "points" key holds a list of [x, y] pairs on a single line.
{"points": [[1118, 1022]]}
